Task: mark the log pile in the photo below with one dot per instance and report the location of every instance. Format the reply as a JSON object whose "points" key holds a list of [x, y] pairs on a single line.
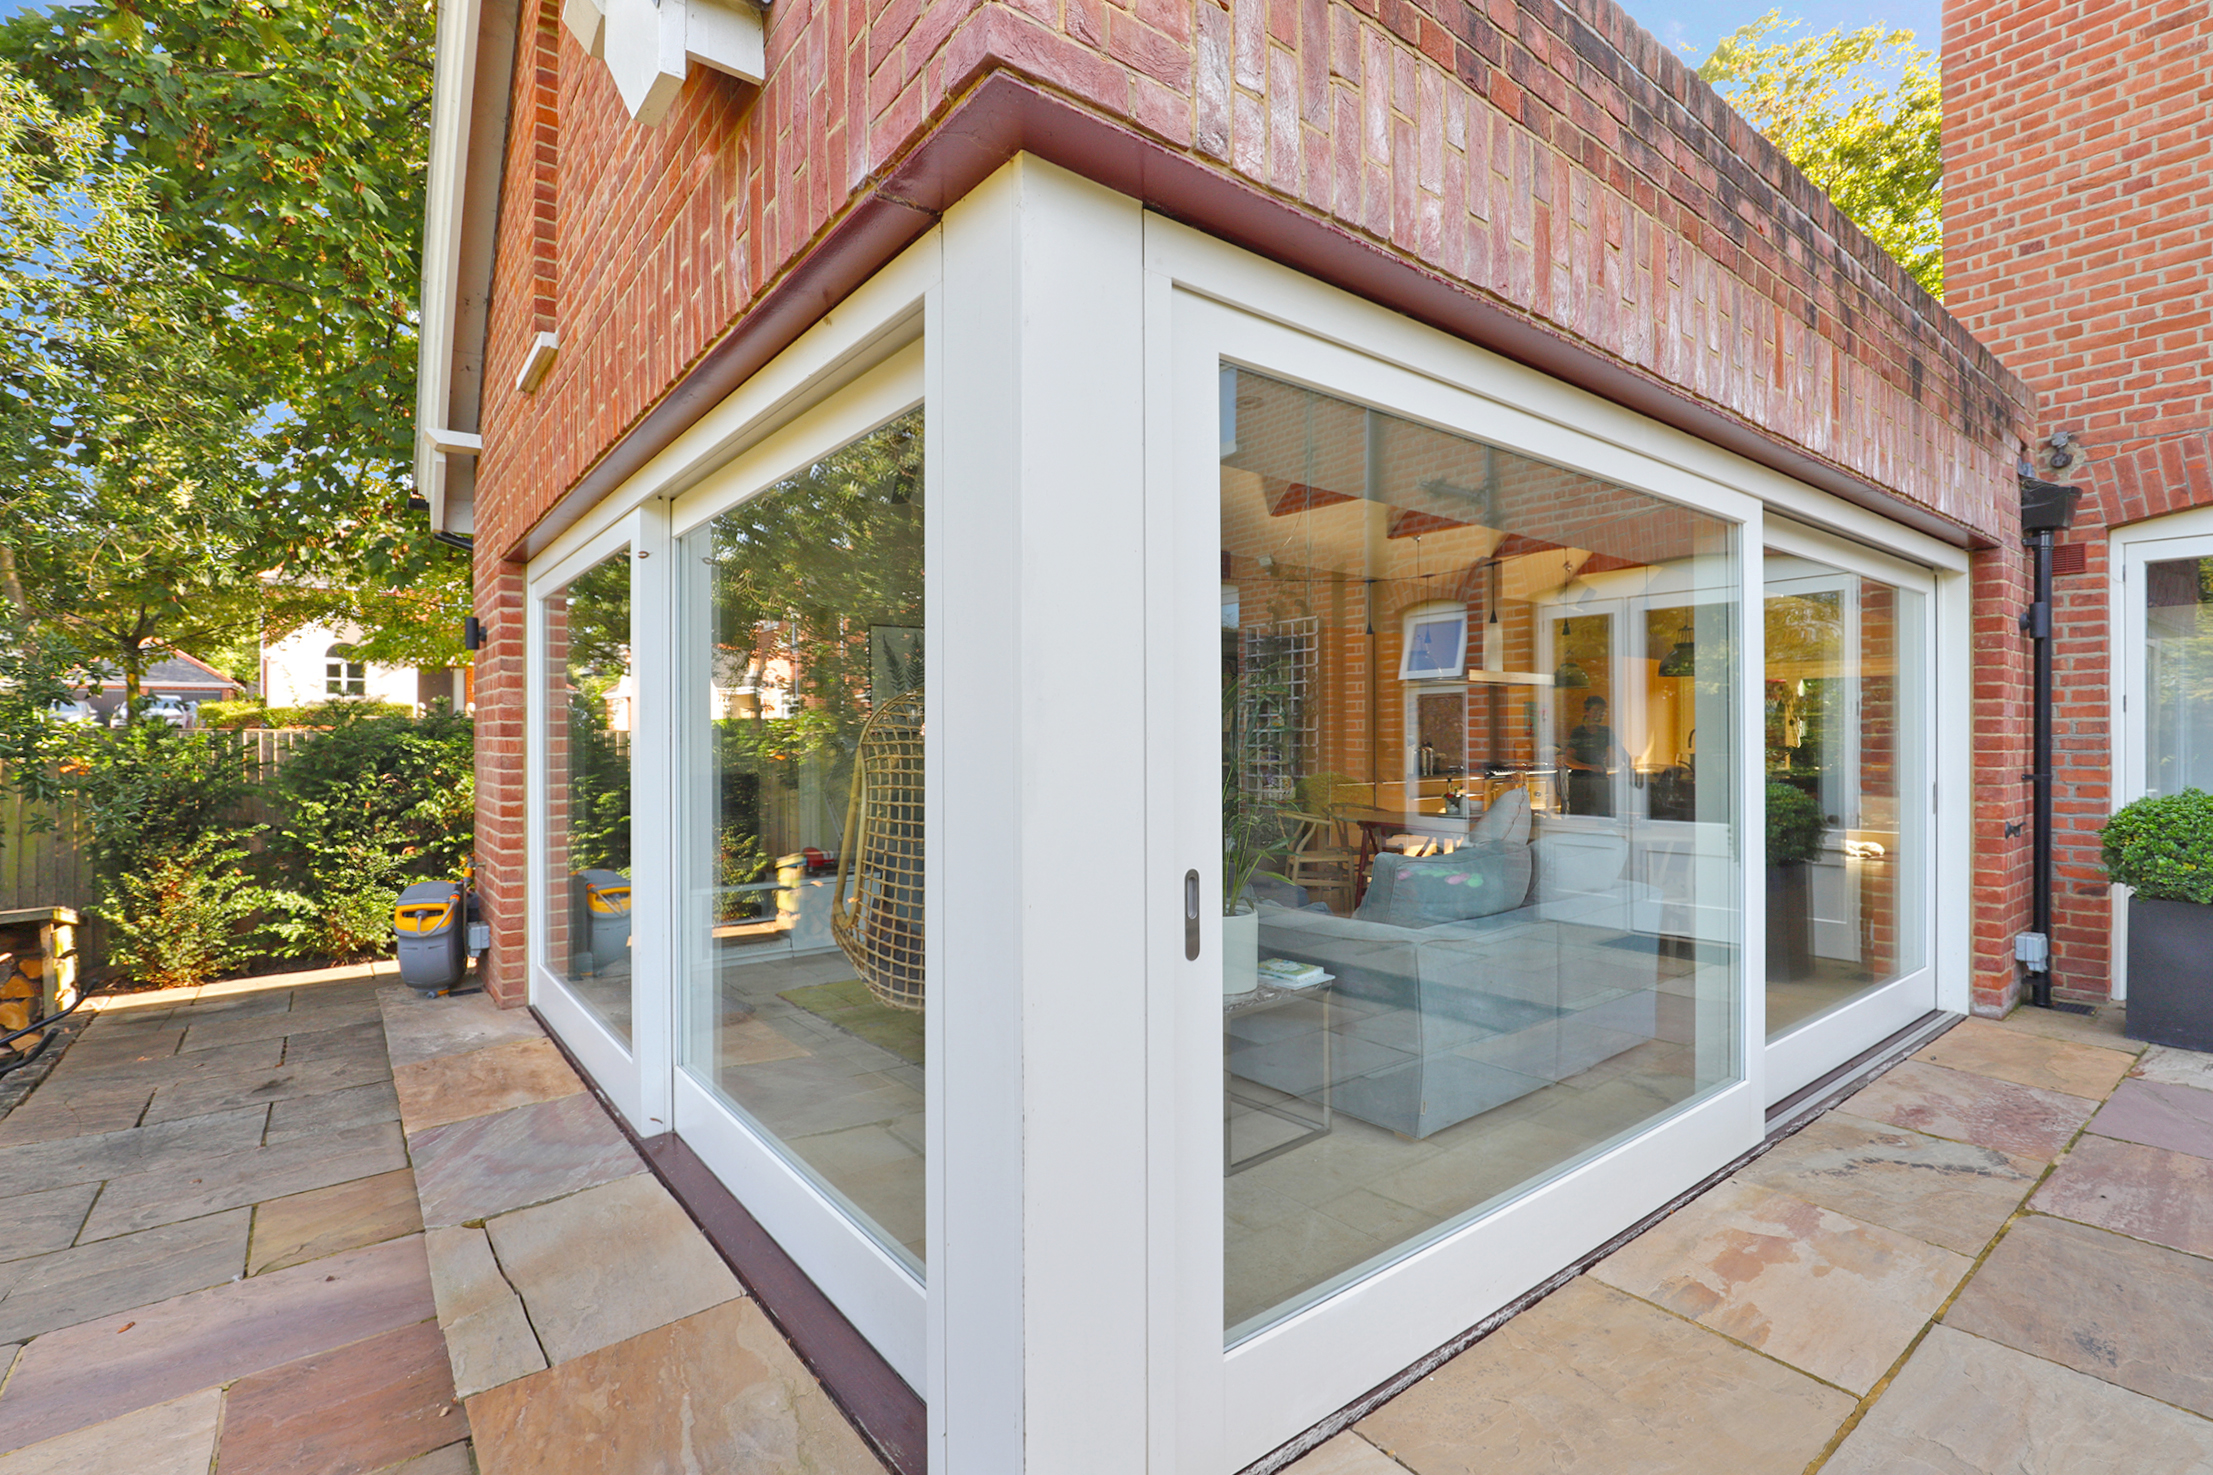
{"points": [[23, 990]]}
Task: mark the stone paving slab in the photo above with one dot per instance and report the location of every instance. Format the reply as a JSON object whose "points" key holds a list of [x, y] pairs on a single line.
{"points": [[1987, 1048], [1964, 1406], [362, 1407], [488, 1336], [188, 1188], [1592, 1379], [452, 1088], [44, 1220], [49, 1164], [1951, 1194], [2174, 1067], [357, 1106], [323, 1221], [173, 1438], [581, 1292], [416, 1028], [2145, 1192], [1966, 1107], [721, 1387], [2158, 1114], [488, 1165], [2116, 1308], [155, 1353], [285, 1083], [1827, 1294], [73, 1285]]}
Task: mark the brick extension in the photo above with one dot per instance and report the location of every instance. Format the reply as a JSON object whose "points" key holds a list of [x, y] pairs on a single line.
{"points": [[1553, 166], [2078, 238]]}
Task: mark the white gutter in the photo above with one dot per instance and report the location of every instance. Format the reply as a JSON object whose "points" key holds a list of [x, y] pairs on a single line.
{"points": [[468, 137]]}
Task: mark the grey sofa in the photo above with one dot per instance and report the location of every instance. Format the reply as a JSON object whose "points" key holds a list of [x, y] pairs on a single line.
{"points": [[1432, 1024]]}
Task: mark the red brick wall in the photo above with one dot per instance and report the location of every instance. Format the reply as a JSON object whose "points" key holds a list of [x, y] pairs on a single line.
{"points": [[2078, 240], [1553, 159]]}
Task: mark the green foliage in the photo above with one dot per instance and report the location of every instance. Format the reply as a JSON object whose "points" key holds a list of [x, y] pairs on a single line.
{"points": [[2162, 847], [239, 715], [365, 808], [182, 915], [1874, 150], [1794, 825], [151, 790]]}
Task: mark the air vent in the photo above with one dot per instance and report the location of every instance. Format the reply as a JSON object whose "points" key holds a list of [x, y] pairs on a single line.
{"points": [[2070, 558]]}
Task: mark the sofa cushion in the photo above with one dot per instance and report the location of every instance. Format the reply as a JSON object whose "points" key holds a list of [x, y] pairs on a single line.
{"points": [[1473, 881], [1506, 822]]}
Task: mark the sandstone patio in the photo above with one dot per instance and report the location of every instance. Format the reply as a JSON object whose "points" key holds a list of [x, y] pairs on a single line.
{"points": [[325, 1227]]}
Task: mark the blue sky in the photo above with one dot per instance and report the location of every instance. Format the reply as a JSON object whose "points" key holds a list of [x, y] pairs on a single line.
{"points": [[1697, 24]]}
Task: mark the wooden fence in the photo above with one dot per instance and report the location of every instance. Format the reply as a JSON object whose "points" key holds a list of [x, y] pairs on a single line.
{"points": [[44, 848]]}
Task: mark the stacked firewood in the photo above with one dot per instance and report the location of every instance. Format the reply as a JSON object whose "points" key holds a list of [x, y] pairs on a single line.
{"points": [[22, 994]]}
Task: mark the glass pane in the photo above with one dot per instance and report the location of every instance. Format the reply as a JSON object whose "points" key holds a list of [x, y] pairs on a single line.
{"points": [[1479, 887], [2178, 675], [802, 865], [1846, 786], [590, 700]]}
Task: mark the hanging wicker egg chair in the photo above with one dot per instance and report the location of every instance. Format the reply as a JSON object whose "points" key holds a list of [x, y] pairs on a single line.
{"points": [[877, 921]]}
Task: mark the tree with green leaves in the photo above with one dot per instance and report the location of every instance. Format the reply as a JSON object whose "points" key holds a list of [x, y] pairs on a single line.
{"points": [[221, 442], [1872, 148]]}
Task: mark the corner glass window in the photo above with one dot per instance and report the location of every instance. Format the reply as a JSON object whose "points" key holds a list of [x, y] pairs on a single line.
{"points": [[1478, 828], [1845, 709], [802, 856], [590, 707]]}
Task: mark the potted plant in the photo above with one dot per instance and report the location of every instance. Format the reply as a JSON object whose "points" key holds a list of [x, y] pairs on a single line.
{"points": [[1794, 826], [1252, 836], [2161, 848]]}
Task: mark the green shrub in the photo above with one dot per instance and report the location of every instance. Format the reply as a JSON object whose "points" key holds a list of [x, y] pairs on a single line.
{"points": [[366, 807], [150, 790], [335, 713], [2162, 847], [184, 915], [1794, 825]]}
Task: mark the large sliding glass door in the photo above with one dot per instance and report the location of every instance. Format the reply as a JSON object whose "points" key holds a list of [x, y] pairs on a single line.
{"points": [[1847, 739]]}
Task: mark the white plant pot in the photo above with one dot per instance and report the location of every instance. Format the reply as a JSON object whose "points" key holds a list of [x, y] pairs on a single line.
{"points": [[1240, 953]]}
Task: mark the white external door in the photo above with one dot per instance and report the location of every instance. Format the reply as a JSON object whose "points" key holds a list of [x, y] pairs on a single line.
{"points": [[2162, 665], [1848, 749]]}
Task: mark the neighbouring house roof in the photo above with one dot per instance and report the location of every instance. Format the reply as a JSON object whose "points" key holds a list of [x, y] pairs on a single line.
{"points": [[186, 675]]}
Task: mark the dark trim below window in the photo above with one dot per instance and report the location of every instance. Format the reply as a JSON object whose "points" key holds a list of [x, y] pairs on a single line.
{"points": [[889, 1415]]}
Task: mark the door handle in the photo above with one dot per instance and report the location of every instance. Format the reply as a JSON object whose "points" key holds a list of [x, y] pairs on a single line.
{"points": [[1190, 916]]}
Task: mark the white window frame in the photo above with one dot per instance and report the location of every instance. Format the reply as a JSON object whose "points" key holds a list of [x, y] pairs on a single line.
{"points": [[2187, 534], [1811, 1049], [621, 1068], [1208, 304], [783, 412]]}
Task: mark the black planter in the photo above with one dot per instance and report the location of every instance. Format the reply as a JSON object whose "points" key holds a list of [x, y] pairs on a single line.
{"points": [[1789, 923], [2170, 973]]}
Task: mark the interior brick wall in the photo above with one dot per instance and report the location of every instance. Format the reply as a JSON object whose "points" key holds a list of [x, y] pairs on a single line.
{"points": [[1551, 158], [2078, 240]]}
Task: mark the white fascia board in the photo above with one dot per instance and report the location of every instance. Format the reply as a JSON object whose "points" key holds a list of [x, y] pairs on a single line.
{"points": [[452, 104]]}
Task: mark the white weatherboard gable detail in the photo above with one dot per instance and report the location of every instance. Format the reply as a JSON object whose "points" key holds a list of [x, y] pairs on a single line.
{"points": [[587, 22], [649, 47]]}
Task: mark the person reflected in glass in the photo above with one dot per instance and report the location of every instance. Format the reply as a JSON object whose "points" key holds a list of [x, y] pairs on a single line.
{"points": [[1589, 757]]}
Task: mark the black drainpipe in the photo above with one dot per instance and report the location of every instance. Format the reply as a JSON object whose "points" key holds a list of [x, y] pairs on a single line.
{"points": [[2046, 508]]}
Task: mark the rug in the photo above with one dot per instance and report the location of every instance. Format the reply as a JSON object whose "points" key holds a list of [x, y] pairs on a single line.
{"points": [[851, 1007]]}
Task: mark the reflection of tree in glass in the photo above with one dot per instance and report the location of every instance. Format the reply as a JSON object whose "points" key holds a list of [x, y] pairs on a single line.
{"points": [[598, 626], [800, 574]]}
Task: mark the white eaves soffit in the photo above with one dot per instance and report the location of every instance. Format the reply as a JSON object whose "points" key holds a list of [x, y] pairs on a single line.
{"points": [[649, 45]]}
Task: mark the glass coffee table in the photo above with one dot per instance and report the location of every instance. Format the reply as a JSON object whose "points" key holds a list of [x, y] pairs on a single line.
{"points": [[1278, 1105]]}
